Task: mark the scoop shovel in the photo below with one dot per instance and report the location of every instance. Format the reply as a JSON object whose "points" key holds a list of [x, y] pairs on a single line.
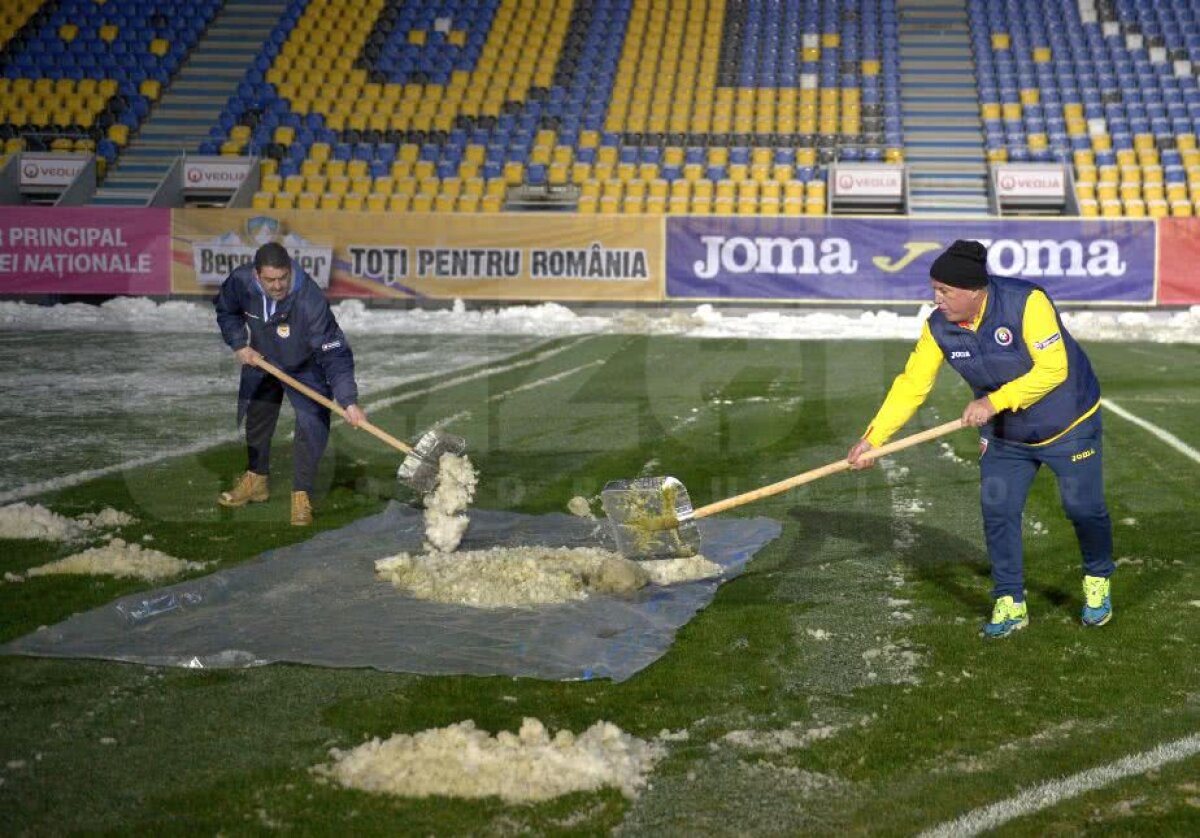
{"points": [[653, 518], [420, 467]]}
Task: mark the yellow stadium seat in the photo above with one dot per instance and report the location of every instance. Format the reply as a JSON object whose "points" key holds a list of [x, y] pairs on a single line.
{"points": [[701, 206], [330, 201], [313, 183], [307, 201], [1089, 209], [284, 134], [361, 185], [609, 204], [353, 202], [338, 185], [1112, 209], [635, 188], [613, 188], [633, 205], [655, 205], [262, 200], [422, 202], [587, 204], [284, 200], [491, 203], [399, 203], [377, 202], [581, 173], [271, 184], [496, 187]]}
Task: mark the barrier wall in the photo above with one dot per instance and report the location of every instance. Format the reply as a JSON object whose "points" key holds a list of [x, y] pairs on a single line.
{"points": [[494, 257], [887, 260], [1179, 261], [84, 250], [603, 258]]}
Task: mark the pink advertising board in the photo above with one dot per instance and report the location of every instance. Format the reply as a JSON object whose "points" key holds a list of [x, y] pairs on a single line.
{"points": [[85, 250]]}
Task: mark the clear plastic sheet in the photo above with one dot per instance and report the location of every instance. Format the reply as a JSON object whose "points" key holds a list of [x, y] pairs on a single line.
{"points": [[320, 603]]}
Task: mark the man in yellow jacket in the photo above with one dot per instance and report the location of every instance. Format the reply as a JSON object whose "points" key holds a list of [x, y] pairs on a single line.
{"points": [[1036, 402]]}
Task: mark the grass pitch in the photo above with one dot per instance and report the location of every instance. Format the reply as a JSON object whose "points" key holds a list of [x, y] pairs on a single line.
{"points": [[838, 686]]}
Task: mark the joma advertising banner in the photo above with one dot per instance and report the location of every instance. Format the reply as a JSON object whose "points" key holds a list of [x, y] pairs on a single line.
{"points": [[494, 257], [886, 260], [84, 250]]}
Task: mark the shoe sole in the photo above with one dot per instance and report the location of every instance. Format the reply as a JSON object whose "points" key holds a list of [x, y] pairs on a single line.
{"points": [[230, 503], [1103, 622], [1007, 631]]}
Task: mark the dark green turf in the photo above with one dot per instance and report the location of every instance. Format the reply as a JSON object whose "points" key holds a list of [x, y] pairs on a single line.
{"points": [[858, 618]]}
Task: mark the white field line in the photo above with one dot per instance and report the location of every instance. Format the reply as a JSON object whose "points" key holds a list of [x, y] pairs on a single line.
{"points": [[1051, 793], [483, 373], [1166, 436], [529, 385], [76, 478]]}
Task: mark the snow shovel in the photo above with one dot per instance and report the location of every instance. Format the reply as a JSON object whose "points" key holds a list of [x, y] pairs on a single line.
{"points": [[420, 467], [653, 518]]}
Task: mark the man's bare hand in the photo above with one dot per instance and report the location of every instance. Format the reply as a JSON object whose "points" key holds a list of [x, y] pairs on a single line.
{"points": [[248, 356], [355, 415], [977, 413], [861, 447]]}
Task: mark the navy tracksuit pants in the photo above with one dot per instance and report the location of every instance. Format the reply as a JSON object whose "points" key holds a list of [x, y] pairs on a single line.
{"points": [[1007, 470], [312, 425]]}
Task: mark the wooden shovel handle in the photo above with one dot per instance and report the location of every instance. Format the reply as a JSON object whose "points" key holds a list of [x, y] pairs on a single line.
{"points": [[263, 363], [825, 471]]}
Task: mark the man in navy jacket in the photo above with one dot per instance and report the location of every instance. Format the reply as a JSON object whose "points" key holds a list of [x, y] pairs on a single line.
{"points": [[274, 310]]}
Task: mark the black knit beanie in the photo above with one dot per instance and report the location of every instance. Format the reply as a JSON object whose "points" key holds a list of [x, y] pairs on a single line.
{"points": [[963, 265]]}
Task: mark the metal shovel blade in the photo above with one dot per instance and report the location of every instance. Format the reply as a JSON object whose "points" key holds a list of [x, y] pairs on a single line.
{"points": [[420, 468], [651, 518]]}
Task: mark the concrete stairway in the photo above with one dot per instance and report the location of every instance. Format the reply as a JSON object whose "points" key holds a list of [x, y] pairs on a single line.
{"points": [[190, 106], [943, 135]]}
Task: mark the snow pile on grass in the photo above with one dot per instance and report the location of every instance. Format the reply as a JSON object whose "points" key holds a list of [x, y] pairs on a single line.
{"points": [[462, 761], [22, 520], [523, 577], [119, 559], [33, 521], [580, 508], [512, 577], [778, 741], [134, 314], [444, 522], [108, 519]]}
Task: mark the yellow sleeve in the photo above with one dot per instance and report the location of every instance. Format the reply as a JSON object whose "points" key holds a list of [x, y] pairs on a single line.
{"points": [[909, 389], [1043, 339]]}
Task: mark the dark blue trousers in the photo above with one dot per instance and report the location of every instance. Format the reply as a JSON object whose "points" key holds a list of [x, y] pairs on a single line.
{"points": [[262, 413], [1007, 470]]}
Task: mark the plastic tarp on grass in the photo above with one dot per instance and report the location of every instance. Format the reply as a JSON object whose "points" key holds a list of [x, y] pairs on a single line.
{"points": [[320, 603]]}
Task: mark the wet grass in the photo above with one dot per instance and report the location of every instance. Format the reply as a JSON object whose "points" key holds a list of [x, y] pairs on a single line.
{"points": [[861, 617]]}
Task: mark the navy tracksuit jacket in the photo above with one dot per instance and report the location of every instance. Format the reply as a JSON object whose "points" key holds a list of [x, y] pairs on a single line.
{"points": [[300, 336]]}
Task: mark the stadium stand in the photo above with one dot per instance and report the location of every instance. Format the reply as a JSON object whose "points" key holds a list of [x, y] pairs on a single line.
{"points": [[81, 76], [1107, 87], [632, 106]]}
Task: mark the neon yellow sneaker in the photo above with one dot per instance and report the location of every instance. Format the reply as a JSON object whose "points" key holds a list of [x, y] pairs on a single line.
{"points": [[1007, 616], [1097, 600]]}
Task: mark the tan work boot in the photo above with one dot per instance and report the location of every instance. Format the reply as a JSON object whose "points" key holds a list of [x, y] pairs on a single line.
{"points": [[301, 510], [250, 488]]}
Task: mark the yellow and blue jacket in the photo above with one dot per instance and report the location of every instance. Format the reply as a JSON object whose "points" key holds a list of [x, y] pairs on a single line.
{"points": [[1016, 352]]}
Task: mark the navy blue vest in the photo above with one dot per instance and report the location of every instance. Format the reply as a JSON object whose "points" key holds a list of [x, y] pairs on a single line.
{"points": [[996, 354]]}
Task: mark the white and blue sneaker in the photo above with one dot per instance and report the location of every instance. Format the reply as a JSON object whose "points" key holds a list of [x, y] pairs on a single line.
{"points": [[1008, 616], [1097, 600]]}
